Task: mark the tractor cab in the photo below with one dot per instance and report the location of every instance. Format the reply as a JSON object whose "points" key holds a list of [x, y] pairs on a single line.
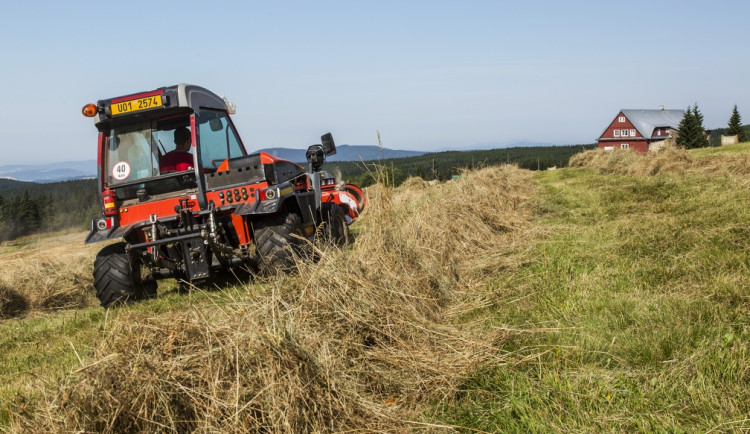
{"points": [[163, 141]]}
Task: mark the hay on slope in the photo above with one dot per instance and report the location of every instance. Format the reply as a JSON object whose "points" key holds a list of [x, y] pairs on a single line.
{"points": [[607, 162], [670, 159], [50, 272], [364, 338]]}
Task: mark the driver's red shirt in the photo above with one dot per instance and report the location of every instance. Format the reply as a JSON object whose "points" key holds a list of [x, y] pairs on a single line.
{"points": [[176, 161]]}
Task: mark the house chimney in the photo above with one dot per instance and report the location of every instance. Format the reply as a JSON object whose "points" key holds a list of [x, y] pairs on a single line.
{"points": [[661, 107]]}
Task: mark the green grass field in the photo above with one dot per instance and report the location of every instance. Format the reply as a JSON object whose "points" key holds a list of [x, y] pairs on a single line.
{"points": [[632, 313], [623, 305]]}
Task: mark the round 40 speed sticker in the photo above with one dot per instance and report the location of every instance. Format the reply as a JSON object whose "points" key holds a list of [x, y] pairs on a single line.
{"points": [[121, 171]]}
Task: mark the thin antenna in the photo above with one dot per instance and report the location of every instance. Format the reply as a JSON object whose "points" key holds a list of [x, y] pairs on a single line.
{"points": [[380, 145]]}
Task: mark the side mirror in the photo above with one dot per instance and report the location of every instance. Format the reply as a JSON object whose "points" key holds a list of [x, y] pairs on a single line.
{"points": [[216, 124], [328, 146]]}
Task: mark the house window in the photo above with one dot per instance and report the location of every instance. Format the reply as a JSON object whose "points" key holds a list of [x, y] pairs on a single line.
{"points": [[617, 133], [621, 119], [625, 146], [632, 133], [624, 133]]}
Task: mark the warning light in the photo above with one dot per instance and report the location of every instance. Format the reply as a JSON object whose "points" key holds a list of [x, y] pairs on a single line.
{"points": [[89, 110], [105, 223]]}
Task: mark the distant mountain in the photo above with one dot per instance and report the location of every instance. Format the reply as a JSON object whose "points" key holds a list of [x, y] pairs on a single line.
{"points": [[64, 171], [70, 170], [344, 153]]}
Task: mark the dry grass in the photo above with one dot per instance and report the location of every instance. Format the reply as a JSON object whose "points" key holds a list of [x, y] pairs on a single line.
{"points": [[615, 161], [670, 159], [363, 339], [46, 272]]}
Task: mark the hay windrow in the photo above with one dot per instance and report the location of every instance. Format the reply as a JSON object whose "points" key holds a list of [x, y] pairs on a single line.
{"points": [[363, 338], [49, 273], [669, 159]]}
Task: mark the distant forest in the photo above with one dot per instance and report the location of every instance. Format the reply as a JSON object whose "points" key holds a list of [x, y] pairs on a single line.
{"points": [[27, 207], [444, 165]]}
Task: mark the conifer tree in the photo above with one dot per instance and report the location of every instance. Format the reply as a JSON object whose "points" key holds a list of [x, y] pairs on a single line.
{"points": [[691, 133], [685, 130], [27, 215], [701, 138], [735, 126], [3, 225]]}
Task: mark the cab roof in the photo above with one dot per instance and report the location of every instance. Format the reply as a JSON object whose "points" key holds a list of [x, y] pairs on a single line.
{"points": [[157, 101]]}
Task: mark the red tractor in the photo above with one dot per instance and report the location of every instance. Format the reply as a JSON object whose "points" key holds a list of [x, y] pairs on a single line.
{"points": [[179, 188]]}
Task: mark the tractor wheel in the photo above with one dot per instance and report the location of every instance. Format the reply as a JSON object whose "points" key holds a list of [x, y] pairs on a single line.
{"points": [[333, 230], [116, 282], [279, 241]]}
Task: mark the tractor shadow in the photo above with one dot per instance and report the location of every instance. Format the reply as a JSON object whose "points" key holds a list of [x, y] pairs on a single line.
{"points": [[12, 303], [219, 281]]}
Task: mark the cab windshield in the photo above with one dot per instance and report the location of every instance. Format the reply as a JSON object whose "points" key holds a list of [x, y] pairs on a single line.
{"points": [[152, 148], [147, 149], [155, 157]]}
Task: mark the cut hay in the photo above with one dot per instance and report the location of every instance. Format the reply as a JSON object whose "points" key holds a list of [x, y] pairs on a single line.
{"points": [[363, 339], [669, 159], [607, 162], [49, 272]]}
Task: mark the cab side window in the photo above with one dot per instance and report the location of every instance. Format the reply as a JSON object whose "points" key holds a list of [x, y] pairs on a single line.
{"points": [[218, 138]]}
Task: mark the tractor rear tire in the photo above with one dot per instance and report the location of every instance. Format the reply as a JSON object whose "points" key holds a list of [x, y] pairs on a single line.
{"points": [[333, 230], [279, 241], [116, 281]]}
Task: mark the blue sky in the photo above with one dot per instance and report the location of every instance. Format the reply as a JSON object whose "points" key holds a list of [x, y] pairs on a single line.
{"points": [[429, 75]]}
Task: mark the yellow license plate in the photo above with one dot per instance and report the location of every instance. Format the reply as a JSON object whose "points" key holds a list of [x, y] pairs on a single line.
{"points": [[135, 105]]}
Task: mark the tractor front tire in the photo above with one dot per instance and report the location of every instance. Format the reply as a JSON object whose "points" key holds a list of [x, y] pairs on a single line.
{"points": [[333, 230], [115, 281], [279, 242]]}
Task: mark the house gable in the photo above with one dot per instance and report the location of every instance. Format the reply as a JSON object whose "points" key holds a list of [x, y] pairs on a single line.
{"points": [[621, 128]]}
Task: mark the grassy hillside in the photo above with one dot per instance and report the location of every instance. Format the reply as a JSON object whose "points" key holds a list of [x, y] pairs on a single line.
{"points": [[633, 312], [611, 296]]}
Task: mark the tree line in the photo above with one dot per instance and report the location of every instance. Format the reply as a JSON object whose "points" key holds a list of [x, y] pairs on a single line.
{"points": [[442, 166], [27, 208], [691, 133]]}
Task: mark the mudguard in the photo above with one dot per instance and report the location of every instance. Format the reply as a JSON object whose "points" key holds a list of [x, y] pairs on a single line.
{"points": [[96, 235], [303, 201]]}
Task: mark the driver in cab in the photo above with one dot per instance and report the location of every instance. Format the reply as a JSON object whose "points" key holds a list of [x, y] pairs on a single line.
{"points": [[180, 158]]}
